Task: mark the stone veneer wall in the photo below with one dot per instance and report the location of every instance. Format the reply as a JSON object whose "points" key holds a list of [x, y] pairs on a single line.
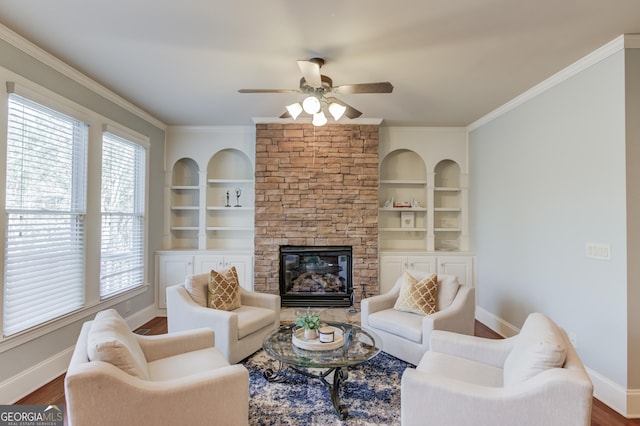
{"points": [[316, 186]]}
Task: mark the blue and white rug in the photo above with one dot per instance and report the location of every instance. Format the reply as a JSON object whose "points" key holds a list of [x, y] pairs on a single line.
{"points": [[371, 394]]}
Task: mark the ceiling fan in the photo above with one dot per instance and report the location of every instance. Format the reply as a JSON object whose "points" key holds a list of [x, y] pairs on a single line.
{"points": [[318, 87]]}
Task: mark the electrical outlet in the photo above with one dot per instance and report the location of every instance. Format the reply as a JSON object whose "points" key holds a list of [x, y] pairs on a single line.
{"points": [[127, 306], [573, 338]]}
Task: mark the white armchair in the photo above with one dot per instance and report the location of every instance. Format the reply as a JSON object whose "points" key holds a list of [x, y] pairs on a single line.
{"points": [[239, 333], [116, 377], [534, 378], [405, 335]]}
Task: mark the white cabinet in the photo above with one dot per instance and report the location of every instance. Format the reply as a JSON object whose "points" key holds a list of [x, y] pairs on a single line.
{"points": [[392, 266], [173, 266], [171, 270]]}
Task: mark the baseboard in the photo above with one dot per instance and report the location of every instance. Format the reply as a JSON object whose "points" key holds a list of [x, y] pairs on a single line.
{"points": [[21, 385], [17, 387], [495, 323], [624, 401]]}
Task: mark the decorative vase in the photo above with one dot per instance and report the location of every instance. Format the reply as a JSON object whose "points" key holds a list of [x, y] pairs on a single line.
{"points": [[310, 334]]}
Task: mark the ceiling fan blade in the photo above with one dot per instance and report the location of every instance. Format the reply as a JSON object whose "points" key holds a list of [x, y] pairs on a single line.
{"points": [[350, 111], [311, 72], [348, 89], [269, 90]]}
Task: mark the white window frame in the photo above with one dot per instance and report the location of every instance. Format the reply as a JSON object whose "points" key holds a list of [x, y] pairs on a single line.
{"points": [[93, 304], [142, 141]]}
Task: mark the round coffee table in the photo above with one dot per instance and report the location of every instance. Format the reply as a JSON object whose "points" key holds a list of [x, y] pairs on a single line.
{"points": [[359, 346]]}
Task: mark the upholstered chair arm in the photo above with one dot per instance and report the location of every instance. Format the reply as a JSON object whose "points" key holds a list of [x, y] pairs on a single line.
{"points": [[378, 303], [548, 398], [125, 399], [487, 351], [166, 345], [261, 300], [459, 317]]}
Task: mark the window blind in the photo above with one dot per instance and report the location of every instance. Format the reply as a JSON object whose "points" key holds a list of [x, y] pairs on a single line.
{"points": [[45, 212], [122, 245]]}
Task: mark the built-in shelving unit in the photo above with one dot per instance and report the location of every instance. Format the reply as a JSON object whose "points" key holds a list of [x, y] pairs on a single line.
{"points": [[184, 204]]}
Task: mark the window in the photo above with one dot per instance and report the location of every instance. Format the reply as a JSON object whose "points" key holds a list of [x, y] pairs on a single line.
{"points": [[122, 246], [45, 215]]}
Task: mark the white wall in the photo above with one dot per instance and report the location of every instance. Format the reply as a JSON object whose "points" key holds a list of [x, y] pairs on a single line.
{"points": [[546, 178]]}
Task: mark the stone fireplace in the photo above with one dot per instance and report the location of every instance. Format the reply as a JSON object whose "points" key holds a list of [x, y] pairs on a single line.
{"points": [[316, 186]]}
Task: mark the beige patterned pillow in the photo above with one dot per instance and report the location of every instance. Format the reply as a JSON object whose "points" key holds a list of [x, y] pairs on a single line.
{"points": [[224, 290], [418, 297]]}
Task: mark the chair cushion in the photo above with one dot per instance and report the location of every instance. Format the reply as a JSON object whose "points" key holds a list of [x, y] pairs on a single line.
{"points": [[462, 369], [417, 296], [224, 290], [538, 347], [448, 286], [252, 319], [110, 340], [403, 324], [186, 364], [197, 287]]}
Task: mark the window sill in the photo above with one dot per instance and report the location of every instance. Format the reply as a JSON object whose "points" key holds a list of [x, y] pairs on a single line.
{"points": [[10, 342]]}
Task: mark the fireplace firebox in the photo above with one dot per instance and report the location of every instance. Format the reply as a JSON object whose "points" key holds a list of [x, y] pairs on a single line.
{"points": [[316, 276]]}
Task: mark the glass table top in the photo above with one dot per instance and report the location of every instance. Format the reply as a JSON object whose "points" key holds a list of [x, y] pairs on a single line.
{"points": [[359, 346]]}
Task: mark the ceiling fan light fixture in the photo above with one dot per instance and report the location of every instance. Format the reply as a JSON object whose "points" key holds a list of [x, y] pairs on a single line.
{"points": [[319, 119], [337, 110], [294, 109], [311, 105]]}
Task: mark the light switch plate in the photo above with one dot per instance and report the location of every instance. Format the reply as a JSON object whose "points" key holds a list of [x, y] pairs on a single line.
{"points": [[599, 251]]}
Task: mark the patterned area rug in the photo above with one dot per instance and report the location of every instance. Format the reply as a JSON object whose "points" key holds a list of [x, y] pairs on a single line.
{"points": [[371, 394]]}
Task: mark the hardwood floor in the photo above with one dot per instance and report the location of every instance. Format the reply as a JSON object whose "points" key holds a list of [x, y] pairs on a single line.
{"points": [[53, 392]]}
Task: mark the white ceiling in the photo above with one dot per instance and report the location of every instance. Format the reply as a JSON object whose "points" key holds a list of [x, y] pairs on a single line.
{"points": [[450, 61]]}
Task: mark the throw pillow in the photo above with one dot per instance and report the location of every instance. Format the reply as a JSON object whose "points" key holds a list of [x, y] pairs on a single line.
{"points": [[447, 289], [196, 286], [110, 340], [224, 290], [538, 347], [418, 297]]}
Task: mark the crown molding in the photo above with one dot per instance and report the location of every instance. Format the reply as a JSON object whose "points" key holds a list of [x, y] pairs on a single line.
{"points": [[614, 46], [51, 61]]}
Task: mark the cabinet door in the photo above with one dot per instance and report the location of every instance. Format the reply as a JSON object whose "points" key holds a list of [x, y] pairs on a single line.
{"points": [[460, 266], [391, 267], [206, 262], [171, 270], [422, 263], [244, 268]]}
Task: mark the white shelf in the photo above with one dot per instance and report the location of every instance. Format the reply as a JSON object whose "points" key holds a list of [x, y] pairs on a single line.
{"points": [[184, 187], [446, 189], [185, 208], [403, 230], [228, 228], [232, 208], [228, 181], [403, 182], [447, 209], [184, 228], [447, 229], [403, 209]]}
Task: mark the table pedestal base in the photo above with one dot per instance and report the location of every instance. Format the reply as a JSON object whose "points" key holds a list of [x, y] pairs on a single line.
{"points": [[339, 377]]}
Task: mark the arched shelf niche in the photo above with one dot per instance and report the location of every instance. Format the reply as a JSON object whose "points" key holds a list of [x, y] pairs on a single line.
{"points": [[447, 206], [230, 200], [402, 201], [184, 203]]}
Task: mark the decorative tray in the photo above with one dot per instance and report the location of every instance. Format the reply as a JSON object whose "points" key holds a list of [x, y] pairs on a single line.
{"points": [[315, 344]]}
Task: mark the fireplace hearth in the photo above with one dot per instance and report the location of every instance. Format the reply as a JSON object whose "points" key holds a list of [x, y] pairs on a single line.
{"points": [[316, 276]]}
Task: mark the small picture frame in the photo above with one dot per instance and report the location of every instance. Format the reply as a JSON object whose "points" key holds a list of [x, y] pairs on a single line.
{"points": [[407, 220]]}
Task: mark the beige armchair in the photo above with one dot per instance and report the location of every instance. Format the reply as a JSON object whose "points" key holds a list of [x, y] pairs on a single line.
{"points": [[405, 335], [116, 377], [534, 378], [239, 333]]}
